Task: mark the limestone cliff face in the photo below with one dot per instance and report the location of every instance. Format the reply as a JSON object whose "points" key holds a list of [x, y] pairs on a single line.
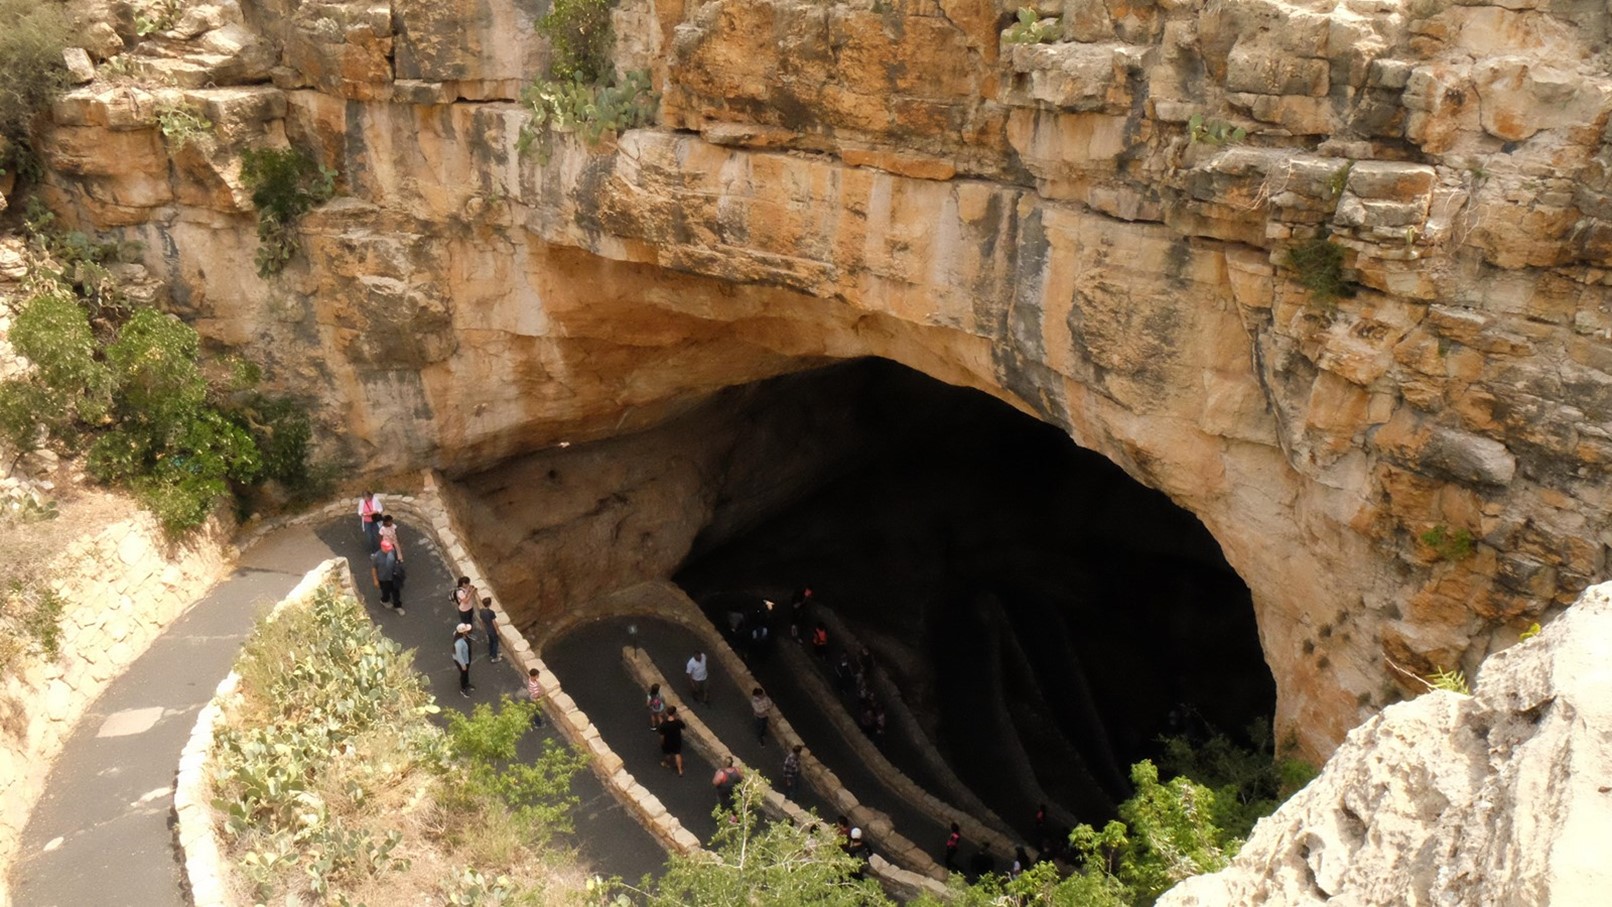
{"points": [[1449, 800], [1073, 226]]}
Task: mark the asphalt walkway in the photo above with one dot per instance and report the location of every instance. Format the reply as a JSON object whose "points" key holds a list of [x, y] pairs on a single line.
{"points": [[588, 662], [102, 831]]}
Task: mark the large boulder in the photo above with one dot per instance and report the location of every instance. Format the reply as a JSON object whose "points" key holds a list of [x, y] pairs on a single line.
{"points": [[1497, 798]]}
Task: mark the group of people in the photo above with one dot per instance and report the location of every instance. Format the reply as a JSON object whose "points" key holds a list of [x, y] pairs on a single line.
{"points": [[388, 571]]}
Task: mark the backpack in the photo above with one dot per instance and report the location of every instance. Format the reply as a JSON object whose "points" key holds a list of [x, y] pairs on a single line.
{"points": [[725, 778]]}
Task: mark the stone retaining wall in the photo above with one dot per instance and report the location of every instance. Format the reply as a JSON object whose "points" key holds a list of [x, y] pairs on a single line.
{"points": [[201, 853], [123, 585], [906, 722], [924, 875], [817, 687]]}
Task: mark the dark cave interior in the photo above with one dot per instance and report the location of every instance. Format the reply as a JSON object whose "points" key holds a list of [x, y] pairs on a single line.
{"points": [[1039, 609]]}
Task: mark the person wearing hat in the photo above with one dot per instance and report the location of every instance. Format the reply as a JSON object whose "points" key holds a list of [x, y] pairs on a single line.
{"points": [[461, 657], [386, 569], [856, 847]]}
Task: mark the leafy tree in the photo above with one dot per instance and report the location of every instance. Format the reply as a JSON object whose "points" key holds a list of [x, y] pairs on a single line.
{"points": [[537, 792], [755, 862], [1168, 834]]}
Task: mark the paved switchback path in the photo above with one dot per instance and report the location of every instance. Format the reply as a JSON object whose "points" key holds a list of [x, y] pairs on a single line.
{"points": [[101, 833]]}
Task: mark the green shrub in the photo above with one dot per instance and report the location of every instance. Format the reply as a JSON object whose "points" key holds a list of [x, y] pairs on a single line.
{"points": [[1029, 29], [30, 622], [538, 793], [1319, 267], [285, 184], [580, 92], [183, 124], [1449, 546], [579, 38], [1214, 132], [136, 392], [32, 36], [331, 717], [759, 863]]}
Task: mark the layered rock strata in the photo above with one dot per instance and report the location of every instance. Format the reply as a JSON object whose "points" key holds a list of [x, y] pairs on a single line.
{"points": [[1099, 229]]}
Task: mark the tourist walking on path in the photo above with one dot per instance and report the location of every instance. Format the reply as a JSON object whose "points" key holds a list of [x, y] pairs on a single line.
{"points": [[656, 705], [534, 692], [464, 602], [760, 709], [388, 533], [791, 774], [386, 569], [698, 673], [671, 740], [820, 641], [724, 781], [461, 657], [489, 622], [953, 841], [369, 516]]}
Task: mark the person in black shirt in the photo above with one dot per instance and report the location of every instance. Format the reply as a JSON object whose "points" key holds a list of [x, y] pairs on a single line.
{"points": [[671, 740]]}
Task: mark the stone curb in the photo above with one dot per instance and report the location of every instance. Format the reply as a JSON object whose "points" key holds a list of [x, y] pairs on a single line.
{"points": [[896, 705], [572, 723], [204, 873], [817, 687], [925, 874]]}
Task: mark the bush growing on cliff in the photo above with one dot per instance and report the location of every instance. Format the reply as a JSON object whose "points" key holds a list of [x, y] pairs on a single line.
{"points": [[32, 36], [580, 92], [285, 184], [1318, 264], [127, 385]]}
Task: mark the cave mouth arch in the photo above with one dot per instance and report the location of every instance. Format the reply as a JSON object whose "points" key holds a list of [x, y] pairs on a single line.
{"points": [[1009, 581]]}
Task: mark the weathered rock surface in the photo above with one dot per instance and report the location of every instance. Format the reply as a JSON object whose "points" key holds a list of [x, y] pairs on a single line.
{"points": [[1076, 227], [1499, 798]]}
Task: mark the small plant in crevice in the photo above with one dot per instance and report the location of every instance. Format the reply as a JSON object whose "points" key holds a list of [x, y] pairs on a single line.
{"points": [[1213, 132], [183, 124], [1030, 28], [1338, 180], [1449, 681], [1318, 266], [1457, 545], [1532, 631], [286, 183], [152, 16], [581, 92]]}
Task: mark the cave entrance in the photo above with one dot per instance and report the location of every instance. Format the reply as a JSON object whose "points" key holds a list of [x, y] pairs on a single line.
{"points": [[1040, 611]]}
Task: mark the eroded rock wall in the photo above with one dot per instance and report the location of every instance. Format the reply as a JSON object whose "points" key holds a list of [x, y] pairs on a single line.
{"points": [[1451, 800], [1078, 227]]}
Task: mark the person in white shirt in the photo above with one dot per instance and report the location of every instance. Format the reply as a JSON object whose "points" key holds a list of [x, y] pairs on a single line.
{"points": [[697, 676], [369, 517]]}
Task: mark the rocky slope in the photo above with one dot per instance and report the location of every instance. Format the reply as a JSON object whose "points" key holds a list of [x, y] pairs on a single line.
{"points": [[1097, 229], [1497, 798]]}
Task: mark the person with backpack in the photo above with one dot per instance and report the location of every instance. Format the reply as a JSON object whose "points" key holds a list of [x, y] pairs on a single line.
{"points": [[461, 658], [386, 569], [725, 779], [656, 705]]}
